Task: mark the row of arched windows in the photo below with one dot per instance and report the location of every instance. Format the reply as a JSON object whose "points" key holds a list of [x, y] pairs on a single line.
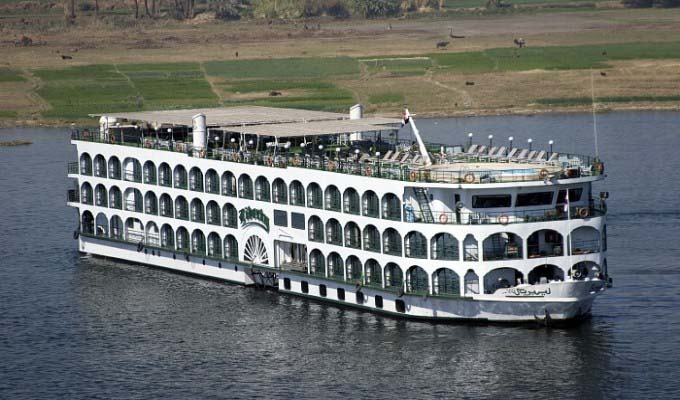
{"points": [[181, 240], [313, 196]]}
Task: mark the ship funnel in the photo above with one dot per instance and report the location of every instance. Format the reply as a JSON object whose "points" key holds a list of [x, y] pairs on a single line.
{"points": [[199, 131], [356, 111]]}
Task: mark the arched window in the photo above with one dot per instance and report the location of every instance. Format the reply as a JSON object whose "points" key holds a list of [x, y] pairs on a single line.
{"points": [[370, 204], [245, 187], [583, 270], [182, 239], [352, 235], [444, 246], [545, 273], [133, 200], [471, 283], [180, 177], [134, 230], [214, 245], [262, 189], [196, 179], [86, 196], [415, 245], [115, 198], [317, 263], [297, 194], [149, 173], [99, 166], [87, 223], [333, 232], [391, 207], [230, 216], [335, 266], [197, 242], [152, 235], [181, 208], [165, 206], [212, 182], [101, 225], [197, 211], [372, 273], [545, 243], [585, 240], [333, 201], [315, 229], [212, 213], [354, 268], [230, 247], [314, 196], [100, 196], [133, 170], [470, 249], [502, 278], [350, 202], [150, 203], [164, 175], [445, 282], [371, 238], [167, 237], [392, 242], [416, 280], [85, 164], [280, 191], [116, 228], [394, 277], [502, 246], [114, 168], [228, 184]]}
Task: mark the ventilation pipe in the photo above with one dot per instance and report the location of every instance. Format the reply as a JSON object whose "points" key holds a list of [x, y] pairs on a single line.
{"points": [[199, 131], [356, 111]]}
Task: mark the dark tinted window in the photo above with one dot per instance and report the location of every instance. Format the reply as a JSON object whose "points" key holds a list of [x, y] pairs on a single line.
{"points": [[305, 287], [574, 195], [360, 297], [400, 305], [491, 201], [322, 290], [280, 218], [378, 301], [534, 199], [341, 294], [286, 283], [297, 220]]}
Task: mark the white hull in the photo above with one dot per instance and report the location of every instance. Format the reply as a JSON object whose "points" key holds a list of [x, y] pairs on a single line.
{"points": [[557, 301]]}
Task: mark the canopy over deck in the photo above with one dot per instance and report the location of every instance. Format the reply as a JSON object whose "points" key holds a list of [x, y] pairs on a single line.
{"points": [[269, 121]]}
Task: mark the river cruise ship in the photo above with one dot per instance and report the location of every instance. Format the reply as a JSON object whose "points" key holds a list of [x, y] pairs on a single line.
{"points": [[345, 208]]}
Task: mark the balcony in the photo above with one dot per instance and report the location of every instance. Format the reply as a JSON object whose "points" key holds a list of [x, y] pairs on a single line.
{"points": [[73, 195], [73, 168]]}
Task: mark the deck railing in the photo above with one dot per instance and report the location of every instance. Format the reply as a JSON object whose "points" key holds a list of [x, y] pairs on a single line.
{"points": [[73, 196], [73, 168], [570, 165]]}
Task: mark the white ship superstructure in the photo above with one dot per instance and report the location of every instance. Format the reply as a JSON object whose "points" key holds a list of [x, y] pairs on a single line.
{"points": [[346, 209]]}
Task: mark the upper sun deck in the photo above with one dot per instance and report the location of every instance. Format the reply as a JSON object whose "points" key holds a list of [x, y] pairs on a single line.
{"points": [[285, 138]]}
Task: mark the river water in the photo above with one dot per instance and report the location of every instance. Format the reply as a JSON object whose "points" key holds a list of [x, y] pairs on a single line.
{"points": [[78, 327]]}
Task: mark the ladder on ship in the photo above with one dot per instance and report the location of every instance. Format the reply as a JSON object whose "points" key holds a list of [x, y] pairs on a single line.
{"points": [[424, 203]]}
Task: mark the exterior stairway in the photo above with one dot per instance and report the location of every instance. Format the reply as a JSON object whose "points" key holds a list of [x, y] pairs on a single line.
{"points": [[424, 203]]}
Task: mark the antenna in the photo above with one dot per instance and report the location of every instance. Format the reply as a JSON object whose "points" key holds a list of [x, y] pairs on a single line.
{"points": [[592, 94]]}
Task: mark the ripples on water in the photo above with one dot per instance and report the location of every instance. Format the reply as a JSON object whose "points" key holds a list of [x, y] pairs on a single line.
{"points": [[82, 327]]}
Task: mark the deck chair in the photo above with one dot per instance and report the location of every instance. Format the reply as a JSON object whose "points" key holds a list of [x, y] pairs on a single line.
{"points": [[553, 157], [387, 155], [404, 158], [531, 155], [472, 149], [522, 155], [417, 159], [492, 151], [539, 156], [395, 156], [481, 150], [499, 153]]}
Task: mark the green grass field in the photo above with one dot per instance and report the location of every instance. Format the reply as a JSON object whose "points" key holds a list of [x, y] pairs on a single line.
{"points": [[10, 75], [283, 68]]}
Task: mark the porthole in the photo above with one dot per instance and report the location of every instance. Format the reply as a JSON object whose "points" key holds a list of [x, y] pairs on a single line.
{"points": [[322, 290], [305, 286], [360, 297], [341, 294], [286, 283], [400, 305], [379, 301]]}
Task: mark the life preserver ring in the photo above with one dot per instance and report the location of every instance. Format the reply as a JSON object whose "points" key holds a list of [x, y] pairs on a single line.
{"points": [[503, 219], [583, 212], [234, 157], [331, 165], [369, 171], [443, 218], [140, 246], [413, 176], [76, 234], [577, 274], [543, 174], [469, 177]]}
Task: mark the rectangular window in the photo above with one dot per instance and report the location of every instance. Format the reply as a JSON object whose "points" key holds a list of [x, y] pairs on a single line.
{"points": [[534, 199], [574, 195], [341, 294], [304, 286], [322, 290], [297, 221], [379, 301], [280, 218], [491, 201]]}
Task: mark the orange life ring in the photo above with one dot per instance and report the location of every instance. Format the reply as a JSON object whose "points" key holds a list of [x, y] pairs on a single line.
{"points": [[469, 177], [583, 212], [369, 171], [543, 174], [413, 176], [443, 218], [331, 165], [503, 219]]}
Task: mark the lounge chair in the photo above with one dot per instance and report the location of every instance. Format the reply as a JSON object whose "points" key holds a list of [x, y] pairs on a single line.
{"points": [[522, 155], [553, 157], [531, 155], [388, 155], [539, 156], [472, 149]]}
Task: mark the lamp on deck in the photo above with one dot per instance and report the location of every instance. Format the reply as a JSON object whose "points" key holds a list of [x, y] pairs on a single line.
{"points": [[550, 142], [470, 139], [530, 141], [510, 139]]}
